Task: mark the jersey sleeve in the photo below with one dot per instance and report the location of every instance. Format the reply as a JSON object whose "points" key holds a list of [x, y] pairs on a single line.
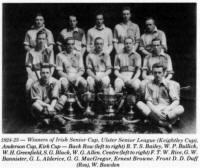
{"points": [[59, 63]]}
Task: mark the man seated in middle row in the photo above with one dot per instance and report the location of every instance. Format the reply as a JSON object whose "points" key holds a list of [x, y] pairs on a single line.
{"points": [[127, 67], [98, 67], [158, 56], [69, 64]]}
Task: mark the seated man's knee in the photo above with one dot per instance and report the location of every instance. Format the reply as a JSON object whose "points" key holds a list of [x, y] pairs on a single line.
{"points": [[82, 82], [91, 83], [64, 82], [180, 110], [119, 83], [143, 108], [106, 81], [135, 84], [36, 106]]}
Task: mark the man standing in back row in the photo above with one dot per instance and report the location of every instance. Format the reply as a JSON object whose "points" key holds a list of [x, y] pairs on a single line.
{"points": [[30, 37], [126, 29], [73, 31], [100, 30], [151, 33]]}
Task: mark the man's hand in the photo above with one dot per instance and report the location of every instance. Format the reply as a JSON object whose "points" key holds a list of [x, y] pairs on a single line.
{"points": [[161, 115], [150, 77], [97, 78], [72, 78]]}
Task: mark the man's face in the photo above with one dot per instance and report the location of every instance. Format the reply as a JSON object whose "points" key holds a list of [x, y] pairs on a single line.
{"points": [[128, 44], [99, 45], [156, 47], [72, 22], [45, 74], [150, 26], [158, 74], [39, 21], [41, 40], [70, 45], [126, 14], [99, 20]]}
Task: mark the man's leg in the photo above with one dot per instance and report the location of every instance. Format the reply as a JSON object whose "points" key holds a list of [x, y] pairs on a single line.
{"points": [[91, 83], [105, 82], [143, 108], [64, 85], [175, 113], [81, 84], [119, 84]]}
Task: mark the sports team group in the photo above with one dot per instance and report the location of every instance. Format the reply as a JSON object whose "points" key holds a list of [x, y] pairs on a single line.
{"points": [[138, 63]]}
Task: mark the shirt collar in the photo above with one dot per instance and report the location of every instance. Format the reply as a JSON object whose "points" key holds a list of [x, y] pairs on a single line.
{"points": [[163, 82], [102, 27], [161, 54], [99, 54], [34, 27], [155, 30], [74, 30], [132, 52], [129, 22]]}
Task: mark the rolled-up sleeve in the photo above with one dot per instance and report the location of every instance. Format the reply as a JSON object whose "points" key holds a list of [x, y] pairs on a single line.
{"points": [[138, 61], [137, 34], [108, 62], [148, 93], [29, 60], [50, 38], [169, 65], [35, 93], [89, 62], [174, 90], [81, 66], [55, 90], [145, 67], [27, 39], [83, 42], [59, 63], [117, 63]]}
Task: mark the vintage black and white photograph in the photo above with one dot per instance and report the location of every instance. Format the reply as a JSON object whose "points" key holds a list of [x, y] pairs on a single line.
{"points": [[99, 68]]}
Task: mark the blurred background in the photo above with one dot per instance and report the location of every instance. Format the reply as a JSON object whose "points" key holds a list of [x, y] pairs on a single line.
{"points": [[177, 20]]}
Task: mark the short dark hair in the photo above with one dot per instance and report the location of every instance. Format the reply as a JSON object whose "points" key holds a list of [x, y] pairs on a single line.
{"points": [[39, 14], [126, 8], [129, 37], [45, 65], [99, 13], [156, 39], [98, 38], [67, 39], [72, 15], [159, 65], [150, 18], [42, 31]]}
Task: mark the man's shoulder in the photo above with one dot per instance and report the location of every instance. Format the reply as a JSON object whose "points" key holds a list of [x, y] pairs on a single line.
{"points": [[77, 53], [150, 83], [108, 29], [53, 80], [48, 30], [36, 84], [132, 24], [64, 30], [60, 54], [80, 30], [160, 31], [91, 29]]}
